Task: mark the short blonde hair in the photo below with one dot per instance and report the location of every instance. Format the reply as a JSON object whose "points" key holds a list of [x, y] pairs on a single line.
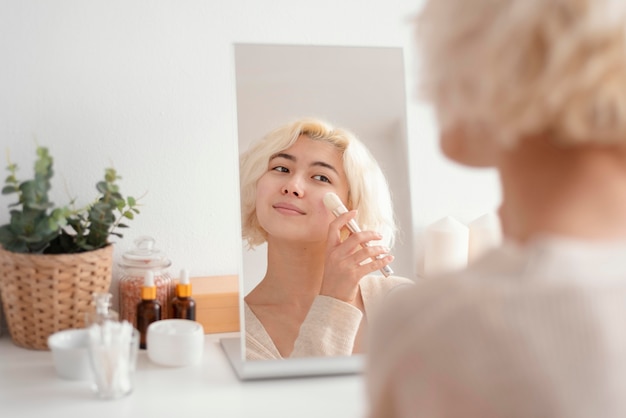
{"points": [[368, 187], [514, 68]]}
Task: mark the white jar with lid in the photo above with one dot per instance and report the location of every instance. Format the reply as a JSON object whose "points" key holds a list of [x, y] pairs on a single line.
{"points": [[135, 263]]}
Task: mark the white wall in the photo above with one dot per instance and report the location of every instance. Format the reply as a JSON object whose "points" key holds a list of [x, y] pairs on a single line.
{"points": [[147, 86]]}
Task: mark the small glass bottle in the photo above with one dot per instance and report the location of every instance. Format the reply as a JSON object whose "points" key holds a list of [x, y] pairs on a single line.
{"points": [[102, 312], [149, 309], [183, 305], [135, 263]]}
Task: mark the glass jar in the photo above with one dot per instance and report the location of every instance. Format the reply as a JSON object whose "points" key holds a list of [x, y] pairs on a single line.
{"points": [[135, 263]]}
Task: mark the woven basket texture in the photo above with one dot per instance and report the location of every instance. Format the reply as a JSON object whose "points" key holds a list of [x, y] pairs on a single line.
{"points": [[43, 294]]}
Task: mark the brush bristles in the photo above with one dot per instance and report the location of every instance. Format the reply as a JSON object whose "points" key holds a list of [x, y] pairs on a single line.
{"points": [[332, 201]]}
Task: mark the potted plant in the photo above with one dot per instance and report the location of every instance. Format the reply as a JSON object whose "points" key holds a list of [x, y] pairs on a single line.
{"points": [[52, 259]]}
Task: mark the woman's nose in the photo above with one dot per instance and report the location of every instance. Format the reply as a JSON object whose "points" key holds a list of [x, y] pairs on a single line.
{"points": [[293, 187]]}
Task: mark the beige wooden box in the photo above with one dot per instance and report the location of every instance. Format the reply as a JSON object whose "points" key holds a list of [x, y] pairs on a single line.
{"points": [[217, 302]]}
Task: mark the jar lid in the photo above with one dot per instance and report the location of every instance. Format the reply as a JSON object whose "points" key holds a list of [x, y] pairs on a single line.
{"points": [[145, 255]]}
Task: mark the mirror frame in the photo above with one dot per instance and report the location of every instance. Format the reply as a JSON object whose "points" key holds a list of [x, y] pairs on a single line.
{"points": [[359, 88]]}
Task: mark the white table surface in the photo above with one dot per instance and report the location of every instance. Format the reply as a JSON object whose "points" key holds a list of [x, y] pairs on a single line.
{"points": [[29, 387]]}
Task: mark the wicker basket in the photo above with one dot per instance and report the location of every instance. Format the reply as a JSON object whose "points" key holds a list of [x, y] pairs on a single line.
{"points": [[43, 294]]}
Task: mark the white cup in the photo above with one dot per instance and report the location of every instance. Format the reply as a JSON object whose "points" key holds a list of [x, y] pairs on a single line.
{"points": [[70, 354]]}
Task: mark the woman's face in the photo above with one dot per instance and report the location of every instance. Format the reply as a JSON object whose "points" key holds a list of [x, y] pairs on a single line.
{"points": [[289, 201]]}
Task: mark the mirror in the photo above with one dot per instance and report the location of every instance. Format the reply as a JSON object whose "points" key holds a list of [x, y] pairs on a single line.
{"points": [[361, 89]]}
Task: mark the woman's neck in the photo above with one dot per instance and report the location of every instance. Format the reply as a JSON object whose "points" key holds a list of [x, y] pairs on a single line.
{"points": [[294, 274], [578, 191]]}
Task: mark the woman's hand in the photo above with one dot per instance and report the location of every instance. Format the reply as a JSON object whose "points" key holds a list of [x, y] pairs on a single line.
{"points": [[349, 261]]}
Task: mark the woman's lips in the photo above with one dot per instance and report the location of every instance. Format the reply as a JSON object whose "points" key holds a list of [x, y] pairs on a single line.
{"points": [[288, 209]]}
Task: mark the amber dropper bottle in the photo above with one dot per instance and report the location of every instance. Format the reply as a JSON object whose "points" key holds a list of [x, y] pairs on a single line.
{"points": [[149, 309], [183, 305]]}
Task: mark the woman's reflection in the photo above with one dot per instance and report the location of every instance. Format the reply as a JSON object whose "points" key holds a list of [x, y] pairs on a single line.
{"points": [[318, 288]]}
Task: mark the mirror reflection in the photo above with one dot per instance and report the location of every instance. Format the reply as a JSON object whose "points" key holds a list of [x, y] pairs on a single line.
{"points": [[312, 121]]}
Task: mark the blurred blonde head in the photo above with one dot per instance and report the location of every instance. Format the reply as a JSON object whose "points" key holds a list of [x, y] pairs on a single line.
{"points": [[368, 188], [509, 69]]}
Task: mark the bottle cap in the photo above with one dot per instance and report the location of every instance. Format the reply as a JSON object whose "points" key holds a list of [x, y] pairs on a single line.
{"points": [[183, 288], [148, 291]]}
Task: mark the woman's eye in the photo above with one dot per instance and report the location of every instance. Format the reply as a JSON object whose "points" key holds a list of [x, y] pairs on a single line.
{"points": [[321, 177], [281, 169]]}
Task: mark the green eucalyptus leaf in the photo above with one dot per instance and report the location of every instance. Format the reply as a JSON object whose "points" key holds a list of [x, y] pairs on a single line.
{"points": [[6, 235], [29, 190], [41, 206], [110, 175], [116, 195], [45, 228], [9, 189], [17, 246], [41, 151], [99, 208], [102, 187]]}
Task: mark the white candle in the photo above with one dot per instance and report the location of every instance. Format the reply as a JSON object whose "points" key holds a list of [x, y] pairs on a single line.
{"points": [[484, 234], [445, 247]]}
